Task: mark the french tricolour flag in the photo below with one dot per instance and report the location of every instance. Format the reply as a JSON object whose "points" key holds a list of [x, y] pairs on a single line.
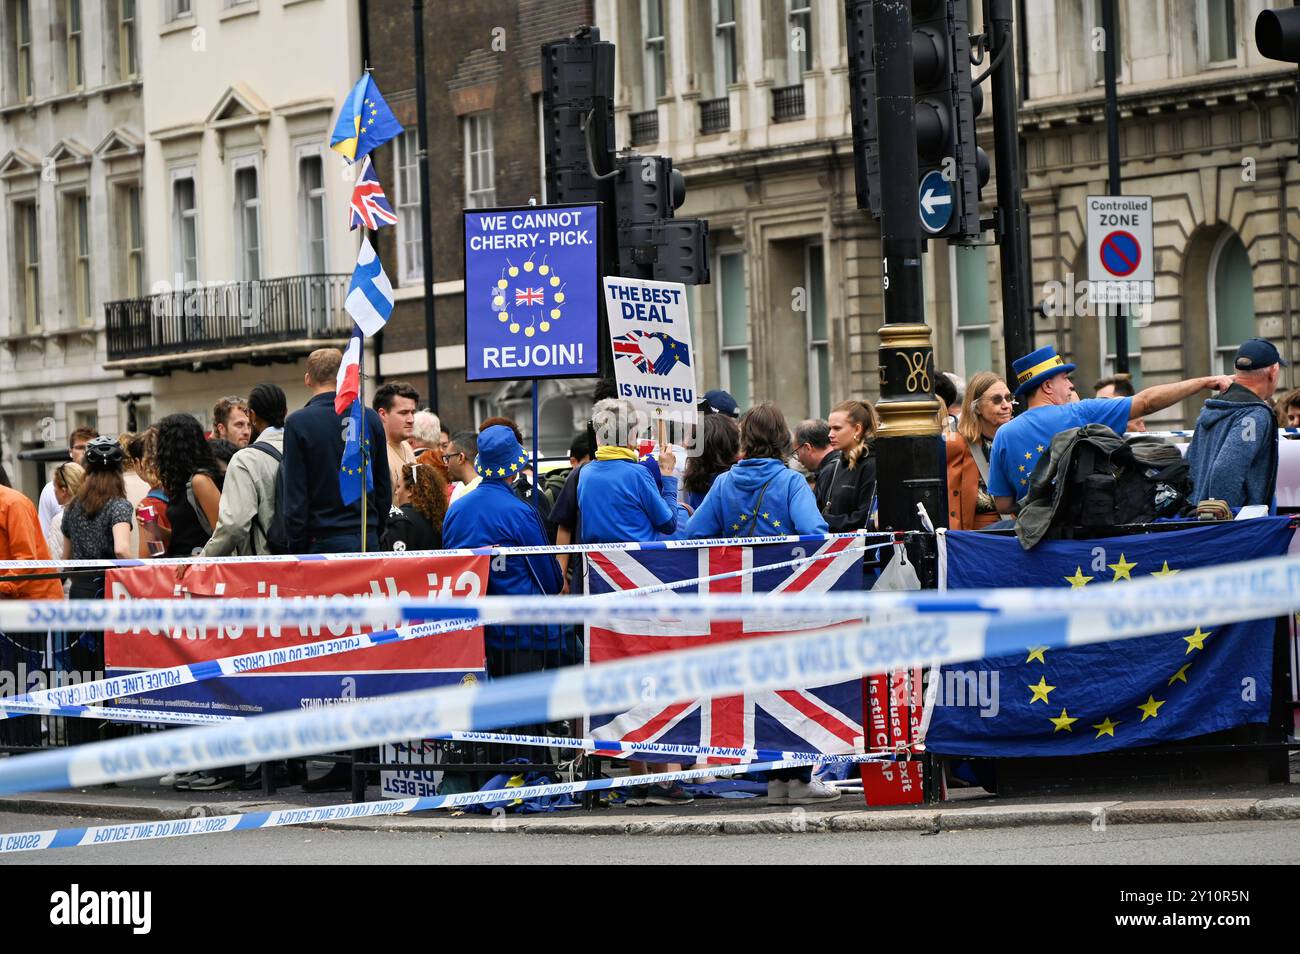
{"points": [[348, 384], [370, 296]]}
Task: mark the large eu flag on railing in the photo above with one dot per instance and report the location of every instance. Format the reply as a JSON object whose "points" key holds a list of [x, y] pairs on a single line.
{"points": [[1116, 695]]}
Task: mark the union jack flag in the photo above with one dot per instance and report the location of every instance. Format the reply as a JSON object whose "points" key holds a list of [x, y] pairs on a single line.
{"points": [[370, 206], [528, 296], [674, 351], [825, 719]]}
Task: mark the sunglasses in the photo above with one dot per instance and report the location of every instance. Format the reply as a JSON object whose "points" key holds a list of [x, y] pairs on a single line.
{"points": [[1002, 399]]}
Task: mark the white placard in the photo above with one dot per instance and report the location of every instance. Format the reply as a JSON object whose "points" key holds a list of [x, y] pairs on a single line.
{"points": [[650, 333]]}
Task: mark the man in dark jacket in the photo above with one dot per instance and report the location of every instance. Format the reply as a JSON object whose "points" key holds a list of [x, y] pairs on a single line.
{"points": [[315, 518], [1233, 455]]}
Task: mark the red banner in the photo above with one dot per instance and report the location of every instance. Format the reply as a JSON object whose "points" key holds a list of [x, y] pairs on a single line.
{"points": [[381, 670]]}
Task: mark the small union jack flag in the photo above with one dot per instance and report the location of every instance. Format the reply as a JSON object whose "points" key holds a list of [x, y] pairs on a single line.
{"points": [[673, 353], [370, 207], [528, 296]]}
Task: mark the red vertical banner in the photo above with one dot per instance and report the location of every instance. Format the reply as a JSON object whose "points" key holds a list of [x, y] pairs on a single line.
{"points": [[892, 719]]}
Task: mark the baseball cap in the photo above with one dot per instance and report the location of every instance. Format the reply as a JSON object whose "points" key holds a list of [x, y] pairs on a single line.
{"points": [[1256, 354], [719, 402]]}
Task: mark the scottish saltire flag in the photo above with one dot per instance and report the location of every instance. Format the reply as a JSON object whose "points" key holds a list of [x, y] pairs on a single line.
{"points": [[370, 208], [824, 719], [1110, 695], [347, 386], [370, 296], [365, 122], [635, 347], [357, 458]]}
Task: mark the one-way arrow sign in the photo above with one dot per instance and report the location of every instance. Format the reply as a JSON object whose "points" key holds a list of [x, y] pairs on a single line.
{"points": [[936, 201]]}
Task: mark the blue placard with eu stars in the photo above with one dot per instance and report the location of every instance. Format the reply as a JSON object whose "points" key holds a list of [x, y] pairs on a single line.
{"points": [[1107, 696], [531, 297]]}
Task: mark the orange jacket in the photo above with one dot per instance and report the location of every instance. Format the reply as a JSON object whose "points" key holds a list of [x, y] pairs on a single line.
{"points": [[963, 486], [21, 539]]}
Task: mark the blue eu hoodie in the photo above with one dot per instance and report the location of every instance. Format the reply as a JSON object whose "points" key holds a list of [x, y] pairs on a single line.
{"points": [[761, 493]]}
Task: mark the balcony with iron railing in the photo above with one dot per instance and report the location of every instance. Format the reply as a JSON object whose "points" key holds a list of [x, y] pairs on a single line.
{"points": [[787, 103], [715, 115], [645, 127], [224, 323]]}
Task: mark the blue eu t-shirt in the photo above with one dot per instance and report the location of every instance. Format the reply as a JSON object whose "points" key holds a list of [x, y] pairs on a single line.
{"points": [[1021, 441]]}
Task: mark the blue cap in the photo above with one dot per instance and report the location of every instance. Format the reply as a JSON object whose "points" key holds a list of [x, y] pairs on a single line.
{"points": [[1255, 354], [720, 402], [499, 455]]}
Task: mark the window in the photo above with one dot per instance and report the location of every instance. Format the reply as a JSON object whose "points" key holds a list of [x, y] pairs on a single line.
{"points": [[27, 246], [130, 241], [480, 177], [410, 248], [248, 226], [724, 46], [969, 271], [311, 201], [799, 39], [1104, 315], [78, 235], [128, 66], [1232, 301], [733, 319], [819, 345], [176, 9], [84, 417], [1217, 31], [23, 48], [185, 228], [76, 69], [1093, 24], [652, 56]]}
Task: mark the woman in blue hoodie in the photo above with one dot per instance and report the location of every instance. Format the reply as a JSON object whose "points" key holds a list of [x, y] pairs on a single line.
{"points": [[760, 496]]}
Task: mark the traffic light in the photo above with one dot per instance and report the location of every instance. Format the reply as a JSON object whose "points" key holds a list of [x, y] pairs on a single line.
{"points": [[862, 103], [577, 101], [945, 107], [1277, 34], [651, 243]]}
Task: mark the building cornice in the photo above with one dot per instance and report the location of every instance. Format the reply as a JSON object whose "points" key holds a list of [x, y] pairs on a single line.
{"points": [[1236, 86]]}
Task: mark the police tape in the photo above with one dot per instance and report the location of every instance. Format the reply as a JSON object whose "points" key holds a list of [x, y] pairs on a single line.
{"points": [[616, 749], [791, 661], [1282, 432], [1258, 588], [86, 837], [571, 548], [82, 694], [118, 714]]}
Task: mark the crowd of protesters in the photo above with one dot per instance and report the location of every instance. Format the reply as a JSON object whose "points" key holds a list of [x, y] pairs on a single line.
{"points": [[266, 481]]}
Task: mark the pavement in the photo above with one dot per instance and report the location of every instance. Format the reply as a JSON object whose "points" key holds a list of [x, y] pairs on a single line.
{"points": [[967, 809]]}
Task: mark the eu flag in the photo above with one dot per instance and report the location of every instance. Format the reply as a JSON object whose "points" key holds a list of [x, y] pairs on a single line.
{"points": [[356, 455], [365, 122], [1107, 696]]}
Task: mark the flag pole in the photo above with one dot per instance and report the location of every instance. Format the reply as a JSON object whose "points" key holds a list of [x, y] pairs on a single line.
{"points": [[361, 438]]}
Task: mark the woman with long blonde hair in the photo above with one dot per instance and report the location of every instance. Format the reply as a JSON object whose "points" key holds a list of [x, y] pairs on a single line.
{"points": [[846, 482], [987, 406]]}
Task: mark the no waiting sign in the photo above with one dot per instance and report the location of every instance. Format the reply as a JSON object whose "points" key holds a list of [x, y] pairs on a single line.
{"points": [[1121, 265]]}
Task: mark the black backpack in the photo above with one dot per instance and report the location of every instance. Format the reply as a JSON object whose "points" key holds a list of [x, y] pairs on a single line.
{"points": [[1105, 487], [1168, 473], [277, 539]]}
